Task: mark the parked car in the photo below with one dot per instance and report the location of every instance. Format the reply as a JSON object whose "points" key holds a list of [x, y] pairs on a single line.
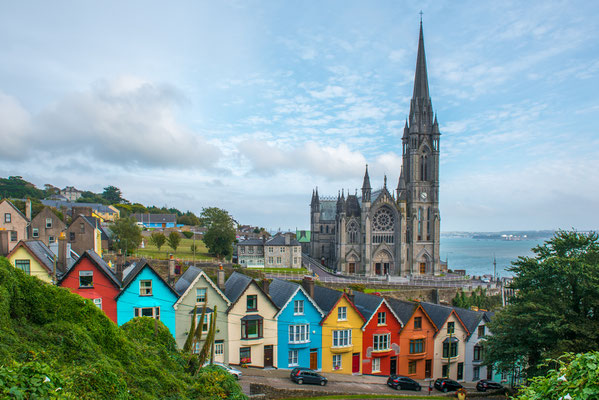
{"points": [[306, 375], [485, 384], [233, 371], [447, 385], [403, 383]]}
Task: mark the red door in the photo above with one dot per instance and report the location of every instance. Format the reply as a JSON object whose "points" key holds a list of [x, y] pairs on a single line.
{"points": [[355, 363]]}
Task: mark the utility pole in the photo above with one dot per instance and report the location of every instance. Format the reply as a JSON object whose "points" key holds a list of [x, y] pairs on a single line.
{"points": [[494, 268]]}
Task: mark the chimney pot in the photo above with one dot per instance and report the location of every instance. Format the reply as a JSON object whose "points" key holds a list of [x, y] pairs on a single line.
{"points": [[220, 278], [308, 285], [61, 263]]}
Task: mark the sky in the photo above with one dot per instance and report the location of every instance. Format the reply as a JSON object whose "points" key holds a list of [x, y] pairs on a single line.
{"points": [[250, 105]]}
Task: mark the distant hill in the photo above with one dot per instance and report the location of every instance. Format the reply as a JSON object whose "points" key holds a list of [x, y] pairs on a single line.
{"points": [[505, 235]]}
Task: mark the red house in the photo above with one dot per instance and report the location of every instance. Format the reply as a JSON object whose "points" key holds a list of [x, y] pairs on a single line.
{"points": [[92, 278], [380, 340]]}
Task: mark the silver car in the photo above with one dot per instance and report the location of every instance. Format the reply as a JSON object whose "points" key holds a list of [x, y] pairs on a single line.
{"points": [[233, 371]]}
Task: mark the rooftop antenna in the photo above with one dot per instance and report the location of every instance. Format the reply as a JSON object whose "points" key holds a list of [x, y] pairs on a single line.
{"points": [[494, 268]]}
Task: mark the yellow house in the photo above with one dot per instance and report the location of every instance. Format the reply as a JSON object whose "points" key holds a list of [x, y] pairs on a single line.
{"points": [[341, 332], [34, 258]]}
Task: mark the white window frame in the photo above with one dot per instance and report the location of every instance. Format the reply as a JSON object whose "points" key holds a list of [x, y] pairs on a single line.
{"points": [[279, 260], [98, 302], [376, 365], [293, 358], [299, 333], [342, 338], [35, 232], [270, 250], [48, 223], [137, 312], [7, 218], [207, 321], [342, 313], [198, 295], [86, 273], [382, 318], [336, 362], [145, 290], [381, 342], [219, 349], [298, 307]]}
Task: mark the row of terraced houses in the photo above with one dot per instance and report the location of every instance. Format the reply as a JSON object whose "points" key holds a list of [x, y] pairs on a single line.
{"points": [[283, 324]]}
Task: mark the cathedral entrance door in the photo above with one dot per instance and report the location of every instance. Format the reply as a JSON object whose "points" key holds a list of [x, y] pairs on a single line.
{"points": [[377, 268], [423, 268], [352, 268], [385, 268]]}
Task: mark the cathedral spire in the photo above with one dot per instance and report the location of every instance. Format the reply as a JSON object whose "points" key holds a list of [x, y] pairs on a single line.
{"points": [[366, 188], [421, 77]]}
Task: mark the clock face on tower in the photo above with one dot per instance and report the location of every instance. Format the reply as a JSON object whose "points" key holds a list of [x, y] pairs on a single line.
{"points": [[423, 195]]}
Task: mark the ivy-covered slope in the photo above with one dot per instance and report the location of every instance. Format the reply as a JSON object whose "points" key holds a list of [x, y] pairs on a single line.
{"points": [[58, 344]]}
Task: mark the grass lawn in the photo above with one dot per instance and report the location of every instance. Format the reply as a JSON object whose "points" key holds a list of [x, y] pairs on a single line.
{"points": [[183, 251], [370, 290], [282, 270]]}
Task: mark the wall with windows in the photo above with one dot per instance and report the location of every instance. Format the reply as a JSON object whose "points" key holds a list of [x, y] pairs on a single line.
{"points": [[134, 300], [416, 344], [454, 343], [202, 292], [337, 355], [474, 369], [282, 256], [381, 332], [46, 226], [12, 220], [23, 260], [249, 329], [299, 333]]}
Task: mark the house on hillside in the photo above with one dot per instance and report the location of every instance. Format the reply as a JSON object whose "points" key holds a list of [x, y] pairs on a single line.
{"points": [[156, 220], [98, 210], [341, 331], [36, 259], [46, 226], [145, 293], [298, 324], [252, 322], [86, 233], [282, 251], [70, 193], [91, 278], [250, 253], [13, 226], [380, 337], [450, 341], [416, 340], [196, 289]]}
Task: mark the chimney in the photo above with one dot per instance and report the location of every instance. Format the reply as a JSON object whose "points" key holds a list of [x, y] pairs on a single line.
{"points": [[171, 267], [350, 295], [220, 278], [308, 285], [287, 239], [28, 209], [4, 241], [85, 211], [61, 263], [265, 283]]}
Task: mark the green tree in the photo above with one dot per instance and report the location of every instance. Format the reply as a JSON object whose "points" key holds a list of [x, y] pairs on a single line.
{"points": [[173, 240], [556, 305], [157, 239], [127, 235], [220, 235], [113, 195]]}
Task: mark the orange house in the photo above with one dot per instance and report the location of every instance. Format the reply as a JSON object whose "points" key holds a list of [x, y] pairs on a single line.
{"points": [[416, 340]]}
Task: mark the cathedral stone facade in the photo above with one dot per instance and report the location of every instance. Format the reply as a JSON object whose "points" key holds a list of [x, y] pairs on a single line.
{"points": [[388, 232]]}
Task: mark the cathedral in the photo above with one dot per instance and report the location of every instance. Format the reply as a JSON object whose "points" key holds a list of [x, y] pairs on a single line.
{"points": [[388, 232]]}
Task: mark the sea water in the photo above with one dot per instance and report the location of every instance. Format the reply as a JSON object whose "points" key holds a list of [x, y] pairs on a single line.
{"points": [[476, 255]]}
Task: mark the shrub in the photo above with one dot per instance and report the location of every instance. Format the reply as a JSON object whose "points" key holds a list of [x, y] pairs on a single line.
{"points": [[188, 234]]}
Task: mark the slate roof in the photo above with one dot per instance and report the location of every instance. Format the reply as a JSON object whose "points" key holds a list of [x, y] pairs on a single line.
{"points": [[236, 285], [69, 205], [95, 223], [438, 313], [326, 298], [279, 240], [367, 304], [131, 272], [403, 309], [251, 242], [156, 218], [42, 253], [470, 318], [280, 291], [186, 279]]}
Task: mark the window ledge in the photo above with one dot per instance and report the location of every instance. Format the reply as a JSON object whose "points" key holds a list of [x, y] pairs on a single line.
{"points": [[86, 287]]}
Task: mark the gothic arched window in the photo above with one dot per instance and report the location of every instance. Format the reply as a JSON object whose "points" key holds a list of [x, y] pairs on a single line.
{"points": [[383, 223], [428, 223], [352, 232], [420, 223]]}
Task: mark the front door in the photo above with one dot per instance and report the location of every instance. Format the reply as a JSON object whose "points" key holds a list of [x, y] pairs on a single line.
{"points": [[377, 268], [355, 363], [352, 268], [268, 358], [385, 268], [428, 368], [423, 268], [393, 366], [313, 358], [460, 371]]}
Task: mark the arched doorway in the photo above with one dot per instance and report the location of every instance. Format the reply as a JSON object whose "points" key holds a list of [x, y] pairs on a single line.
{"points": [[382, 263], [424, 264]]}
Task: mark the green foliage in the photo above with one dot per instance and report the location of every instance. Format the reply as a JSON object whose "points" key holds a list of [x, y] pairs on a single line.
{"points": [[187, 234], [220, 234], [17, 187], [479, 298], [555, 307], [358, 287], [173, 240], [49, 331], [91, 197], [576, 376], [158, 239], [188, 218], [214, 384], [113, 195], [127, 235]]}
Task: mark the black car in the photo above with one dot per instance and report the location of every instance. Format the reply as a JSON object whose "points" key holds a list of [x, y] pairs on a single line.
{"points": [[306, 375], [447, 385], [485, 384], [403, 383]]}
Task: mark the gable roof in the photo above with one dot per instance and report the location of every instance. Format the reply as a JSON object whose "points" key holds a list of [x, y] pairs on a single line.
{"points": [[327, 299], [69, 205], [281, 293], [368, 304], [131, 272], [156, 218], [42, 215], [251, 242], [38, 250], [187, 281], [100, 264], [237, 284], [470, 318], [15, 208], [440, 313], [279, 240]]}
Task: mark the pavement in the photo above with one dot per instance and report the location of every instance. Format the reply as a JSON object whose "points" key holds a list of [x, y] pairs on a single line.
{"points": [[341, 383]]}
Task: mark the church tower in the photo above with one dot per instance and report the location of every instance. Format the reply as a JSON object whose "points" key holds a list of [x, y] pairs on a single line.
{"points": [[418, 186]]}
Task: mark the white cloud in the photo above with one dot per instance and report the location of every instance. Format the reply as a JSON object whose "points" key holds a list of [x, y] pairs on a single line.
{"points": [[15, 125]]}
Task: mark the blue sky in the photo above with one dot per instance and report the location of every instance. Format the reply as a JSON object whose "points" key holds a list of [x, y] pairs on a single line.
{"points": [[249, 105]]}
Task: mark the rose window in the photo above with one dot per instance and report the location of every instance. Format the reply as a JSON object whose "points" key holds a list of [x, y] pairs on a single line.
{"points": [[383, 220]]}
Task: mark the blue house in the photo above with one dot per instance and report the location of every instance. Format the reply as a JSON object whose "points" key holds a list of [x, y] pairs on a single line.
{"points": [[157, 220], [299, 331], [146, 294]]}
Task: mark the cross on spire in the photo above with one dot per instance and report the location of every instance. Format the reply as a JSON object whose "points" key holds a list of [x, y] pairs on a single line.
{"points": [[420, 15]]}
